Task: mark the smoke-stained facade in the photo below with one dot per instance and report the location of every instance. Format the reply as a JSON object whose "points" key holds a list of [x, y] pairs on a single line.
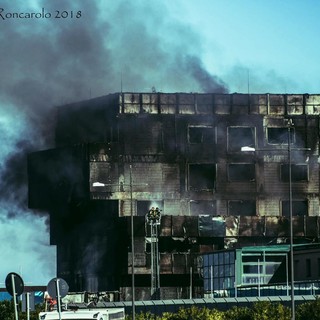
{"points": [[123, 153]]}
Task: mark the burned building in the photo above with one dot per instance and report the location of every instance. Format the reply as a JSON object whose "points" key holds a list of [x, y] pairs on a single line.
{"points": [[119, 155]]}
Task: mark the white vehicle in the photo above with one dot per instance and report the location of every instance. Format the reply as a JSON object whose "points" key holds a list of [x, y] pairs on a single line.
{"points": [[85, 314]]}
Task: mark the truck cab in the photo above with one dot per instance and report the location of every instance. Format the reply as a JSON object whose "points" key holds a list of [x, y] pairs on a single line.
{"points": [[85, 314]]}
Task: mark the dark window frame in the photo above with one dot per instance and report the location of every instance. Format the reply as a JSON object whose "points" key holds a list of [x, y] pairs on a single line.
{"points": [[192, 176], [245, 139], [295, 174], [278, 139], [201, 134], [295, 208]]}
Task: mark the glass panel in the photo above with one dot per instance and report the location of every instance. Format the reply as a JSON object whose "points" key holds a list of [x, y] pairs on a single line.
{"points": [[216, 271], [205, 260], [221, 270], [232, 257], [216, 284], [215, 258], [227, 270], [211, 258], [221, 258], [227, 257]]}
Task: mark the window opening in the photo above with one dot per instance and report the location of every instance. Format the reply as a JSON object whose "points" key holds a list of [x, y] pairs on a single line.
{"points": [[200, 134], [280, 135], [202, 176], [299, 172], [239, 137], [299, 208]]}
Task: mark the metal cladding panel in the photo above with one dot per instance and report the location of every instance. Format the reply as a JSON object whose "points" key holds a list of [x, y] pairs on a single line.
{"points": [[272, 226], [211, 226], [166, 226], [283, 227], [180, 263], [191, 225], [138, 226], [276, 104], [240, 104], [312, 104], [149, 98], [184, 226], [232, 226], [177, 226], [295, 104], [165, 263], [280, 226], [204, 103], [298, 226], [312, 226], [251, 226]]}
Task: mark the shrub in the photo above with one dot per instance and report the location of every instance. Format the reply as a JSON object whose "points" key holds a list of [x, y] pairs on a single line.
{"points": [[238, 313], [266, 310], [194, 313], [309, 310]]}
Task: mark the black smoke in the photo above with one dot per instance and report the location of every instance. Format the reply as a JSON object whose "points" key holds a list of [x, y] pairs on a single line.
{"points": [[106, 46]]}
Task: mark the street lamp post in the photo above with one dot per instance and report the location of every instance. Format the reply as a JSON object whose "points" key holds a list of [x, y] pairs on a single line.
{"points": [[132, 250], [290, 125]]}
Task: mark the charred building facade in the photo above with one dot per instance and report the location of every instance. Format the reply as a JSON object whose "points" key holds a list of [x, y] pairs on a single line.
{"points": [[121, 154]]}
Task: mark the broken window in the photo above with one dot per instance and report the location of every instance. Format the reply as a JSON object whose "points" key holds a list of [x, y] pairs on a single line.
{"points": [[242, 208], [100, 151], [143, 207], [279, 135], [202, 177], [299, 172], [241, 172], [239, 137], [200, 134], [299, 208], [202, 207]]}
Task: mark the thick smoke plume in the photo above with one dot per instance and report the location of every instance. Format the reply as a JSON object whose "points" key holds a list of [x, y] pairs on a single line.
{"points": [[46, 62]]}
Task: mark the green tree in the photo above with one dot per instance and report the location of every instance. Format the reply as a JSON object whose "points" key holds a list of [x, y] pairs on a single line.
{"points": [[239, 313], [309, 310], [6, 310], [266, 310], [194, 313]]}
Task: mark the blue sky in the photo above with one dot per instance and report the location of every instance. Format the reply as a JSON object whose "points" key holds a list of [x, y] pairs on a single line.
{"points": [[275, 41], [172, 45]]}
